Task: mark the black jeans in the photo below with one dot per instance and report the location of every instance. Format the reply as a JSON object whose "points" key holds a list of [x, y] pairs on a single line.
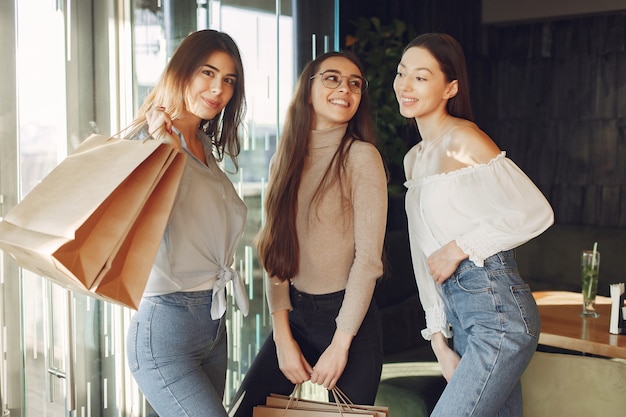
{"points": [[313, 325]]}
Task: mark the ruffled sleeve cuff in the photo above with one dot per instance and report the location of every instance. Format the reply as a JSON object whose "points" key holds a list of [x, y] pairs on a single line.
{"points": [[478, 249], [436, 322]]}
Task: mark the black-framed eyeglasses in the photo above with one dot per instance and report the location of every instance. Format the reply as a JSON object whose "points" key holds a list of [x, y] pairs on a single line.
{"points": [[332, 79]]}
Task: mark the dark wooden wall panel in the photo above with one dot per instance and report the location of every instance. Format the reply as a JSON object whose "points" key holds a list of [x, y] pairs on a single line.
{"points": [[622, 205], [556, 102], [552, 93], [620, 89]]}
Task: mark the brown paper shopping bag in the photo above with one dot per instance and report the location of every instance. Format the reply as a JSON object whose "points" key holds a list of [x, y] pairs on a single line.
{"points": [[267, 411], [281, 401], [294, 406], [94, 223]]}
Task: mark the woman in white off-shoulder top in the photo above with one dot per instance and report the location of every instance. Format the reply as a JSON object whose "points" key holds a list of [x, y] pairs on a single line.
{"points": [[468, 207]]}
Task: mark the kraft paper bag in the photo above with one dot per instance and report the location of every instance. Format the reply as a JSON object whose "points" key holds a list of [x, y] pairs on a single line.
{"points": [[280, 401], [94, 224], [267, 411], [294, 406]]}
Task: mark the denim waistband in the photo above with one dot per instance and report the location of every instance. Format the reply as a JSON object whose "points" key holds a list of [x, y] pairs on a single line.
{"points": [[183, 297], [505, 254], [500, 258]]}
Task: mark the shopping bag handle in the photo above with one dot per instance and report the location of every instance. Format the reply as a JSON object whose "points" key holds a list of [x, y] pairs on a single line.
{"points": [[295, 395], [165, 137], [341, 397], [160, 135], [341, 400]]}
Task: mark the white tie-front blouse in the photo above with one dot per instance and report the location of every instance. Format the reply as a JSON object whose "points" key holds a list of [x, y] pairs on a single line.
{"points": [[485, 208], [198, 247]]}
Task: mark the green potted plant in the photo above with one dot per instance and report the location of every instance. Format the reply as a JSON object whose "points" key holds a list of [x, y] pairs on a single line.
{"points": [[380, 48]]}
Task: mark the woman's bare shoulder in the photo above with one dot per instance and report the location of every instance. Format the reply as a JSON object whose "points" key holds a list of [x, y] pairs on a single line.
{"points": [[471, 143]]}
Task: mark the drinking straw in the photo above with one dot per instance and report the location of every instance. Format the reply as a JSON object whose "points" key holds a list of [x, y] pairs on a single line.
{"points": [[593, 265], [593, 255]]}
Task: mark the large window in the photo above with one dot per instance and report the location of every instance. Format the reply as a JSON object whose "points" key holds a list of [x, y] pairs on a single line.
{"points": [[69, 342], [77, 67]]}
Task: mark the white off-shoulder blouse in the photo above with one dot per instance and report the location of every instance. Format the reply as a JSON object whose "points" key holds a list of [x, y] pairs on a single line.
{"points": [[485, 208]]}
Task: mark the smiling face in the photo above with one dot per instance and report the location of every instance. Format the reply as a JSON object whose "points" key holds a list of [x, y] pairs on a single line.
{"points": [[212, 87], [332, 107], [421, 87]]}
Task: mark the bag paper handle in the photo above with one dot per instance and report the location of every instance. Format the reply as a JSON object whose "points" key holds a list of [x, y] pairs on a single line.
{"points": [[341, 400], [341, 397], [295, 395]]}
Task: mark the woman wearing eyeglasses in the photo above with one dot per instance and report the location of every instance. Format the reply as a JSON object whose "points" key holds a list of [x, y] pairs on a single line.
{"points": [[321, 244]]}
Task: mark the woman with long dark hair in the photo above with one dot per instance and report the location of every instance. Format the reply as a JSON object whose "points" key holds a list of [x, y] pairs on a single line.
{"points": [[321, 244], [468, 207]]}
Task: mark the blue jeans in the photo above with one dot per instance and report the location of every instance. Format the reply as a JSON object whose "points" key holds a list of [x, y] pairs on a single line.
{"points": [[496, 326], [313, 325], [178, 354]]}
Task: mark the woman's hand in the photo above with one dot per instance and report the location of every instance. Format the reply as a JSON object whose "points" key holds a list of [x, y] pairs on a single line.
{"points": [[291, 361], [444, 261], [159, 121], [448, 359], [331, 364]]}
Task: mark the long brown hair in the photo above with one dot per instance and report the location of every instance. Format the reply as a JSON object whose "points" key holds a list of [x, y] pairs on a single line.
{"points": [[448, 52], [277, 242], [172, 86]]}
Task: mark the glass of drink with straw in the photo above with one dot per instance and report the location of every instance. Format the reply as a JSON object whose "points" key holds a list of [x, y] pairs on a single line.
{"points": [[589, 268]]}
